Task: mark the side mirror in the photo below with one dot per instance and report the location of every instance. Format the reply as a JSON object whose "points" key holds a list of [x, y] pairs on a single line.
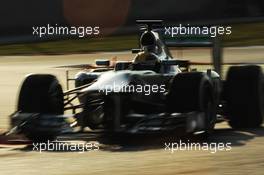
{"points": [[136, 50], [122, 65], [184, 65], [102, 62]]}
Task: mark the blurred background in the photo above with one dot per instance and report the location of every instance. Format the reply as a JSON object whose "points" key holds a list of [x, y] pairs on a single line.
{"points": [[116, 19], [22, 53]]}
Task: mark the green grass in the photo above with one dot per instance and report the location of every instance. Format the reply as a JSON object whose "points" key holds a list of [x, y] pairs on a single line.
{"points": [[71, 46], [245, 35], [242, 35]]}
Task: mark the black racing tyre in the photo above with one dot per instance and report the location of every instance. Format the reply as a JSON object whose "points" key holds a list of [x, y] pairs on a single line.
{"points": [[189, 92], [40, 93], [193, 91], [244, 96]]}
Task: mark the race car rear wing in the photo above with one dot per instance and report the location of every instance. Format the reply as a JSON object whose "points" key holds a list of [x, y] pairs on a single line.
{"points": [[195, 40], [214, 43]]}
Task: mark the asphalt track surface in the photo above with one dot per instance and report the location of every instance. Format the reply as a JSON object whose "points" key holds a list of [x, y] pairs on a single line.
{"points": [[122, 154]]}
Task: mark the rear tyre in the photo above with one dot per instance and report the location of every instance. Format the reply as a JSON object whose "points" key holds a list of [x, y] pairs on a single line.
{"points": [[40, 93], [193, 91], [244, 95]]}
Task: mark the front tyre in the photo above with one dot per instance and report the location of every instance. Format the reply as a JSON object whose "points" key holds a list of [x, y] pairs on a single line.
{"points": [[244, 95], [193, 91], [41, 93]]}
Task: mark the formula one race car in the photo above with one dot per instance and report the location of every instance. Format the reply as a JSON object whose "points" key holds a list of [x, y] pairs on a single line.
{"points": [[152, 93]]}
